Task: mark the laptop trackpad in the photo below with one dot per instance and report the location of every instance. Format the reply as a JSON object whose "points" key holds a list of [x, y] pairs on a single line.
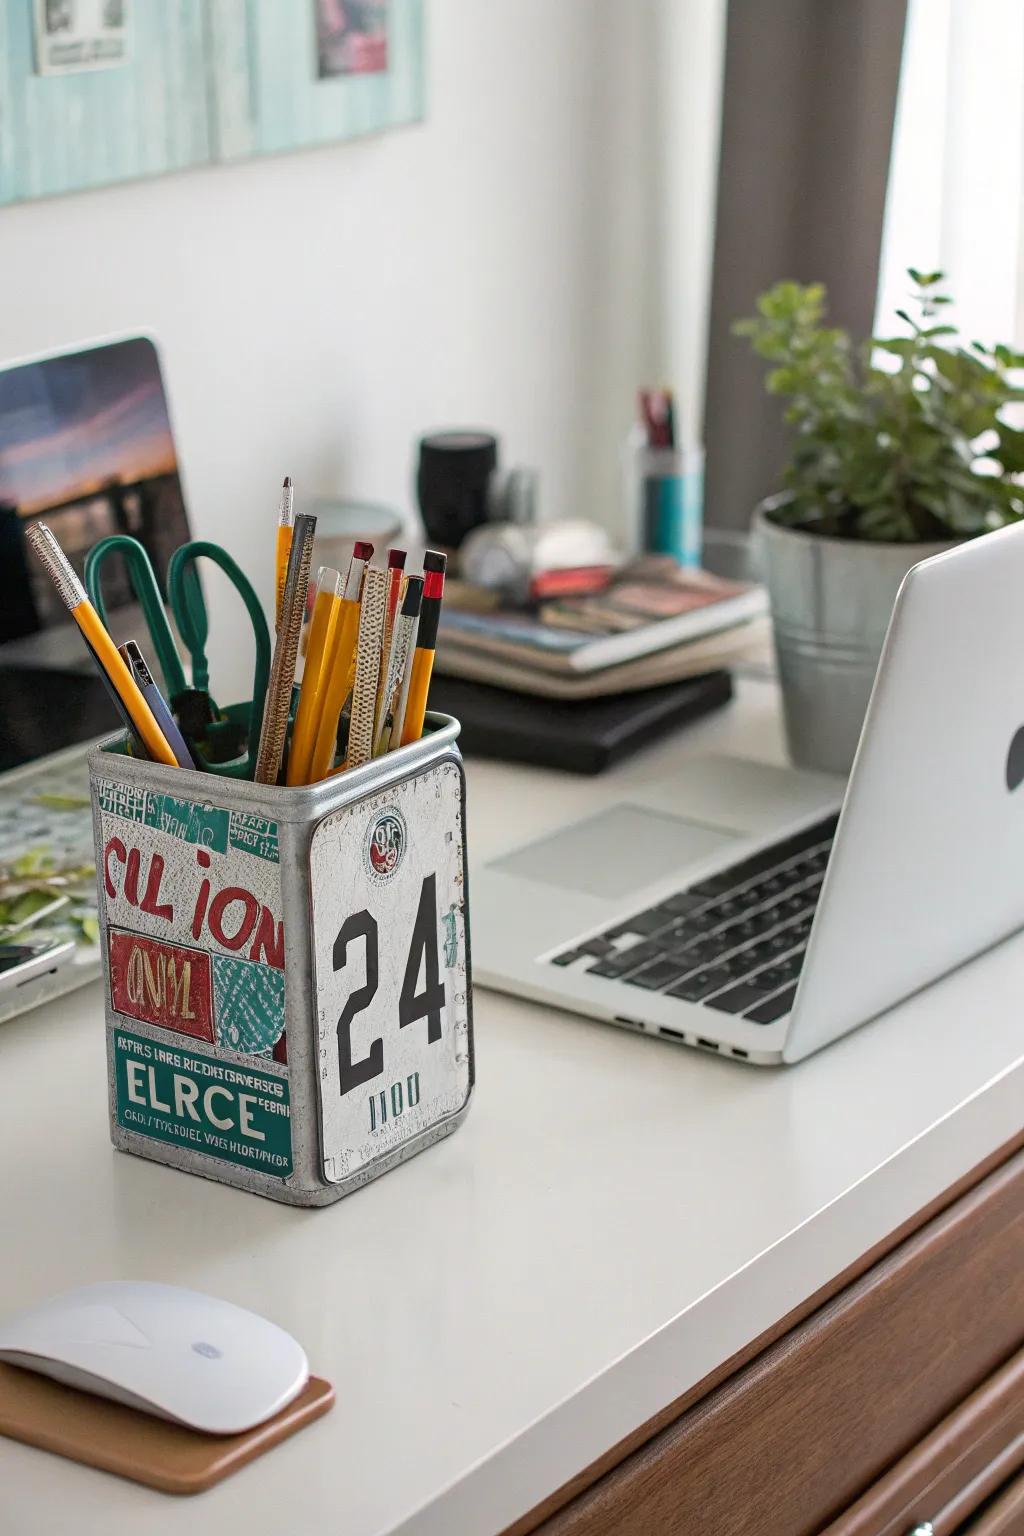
{"points": [[616, 852]]}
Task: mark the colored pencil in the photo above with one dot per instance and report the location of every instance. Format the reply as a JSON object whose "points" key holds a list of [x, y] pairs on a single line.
{"points": [[286, 652], [426, 641], [364, 689], [338, 666], [401, 643], [71, 592], [285, 531], [396, 567], [326, 611]]}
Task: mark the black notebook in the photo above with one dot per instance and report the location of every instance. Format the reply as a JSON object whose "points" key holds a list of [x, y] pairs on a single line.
{"points": [[579, 735]]}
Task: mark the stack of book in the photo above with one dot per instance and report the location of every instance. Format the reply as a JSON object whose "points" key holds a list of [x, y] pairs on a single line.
{"points": [[655, 622]]}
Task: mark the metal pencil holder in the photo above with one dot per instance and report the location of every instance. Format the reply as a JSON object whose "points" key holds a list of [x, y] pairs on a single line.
{"points": [[287, 970]]}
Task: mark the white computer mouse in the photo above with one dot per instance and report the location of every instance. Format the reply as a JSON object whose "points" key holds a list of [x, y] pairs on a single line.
{"points": [[175, 1353]]}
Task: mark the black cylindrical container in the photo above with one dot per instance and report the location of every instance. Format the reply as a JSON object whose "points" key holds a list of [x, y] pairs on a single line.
{"points": [[452, 480]]}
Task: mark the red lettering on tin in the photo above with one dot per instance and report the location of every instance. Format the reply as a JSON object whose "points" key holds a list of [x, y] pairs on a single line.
{"points": [[117, 848], [218, 909], [269, 940], [151, 901]]}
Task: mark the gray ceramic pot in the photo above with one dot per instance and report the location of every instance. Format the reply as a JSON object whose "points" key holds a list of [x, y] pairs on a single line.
{"points": [[831, 602]]}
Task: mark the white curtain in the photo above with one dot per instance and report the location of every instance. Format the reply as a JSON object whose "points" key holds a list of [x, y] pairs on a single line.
{"points": [[956, 186]]}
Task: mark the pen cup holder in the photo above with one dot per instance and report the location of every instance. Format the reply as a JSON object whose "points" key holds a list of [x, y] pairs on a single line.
{"points": [[287, 971]]}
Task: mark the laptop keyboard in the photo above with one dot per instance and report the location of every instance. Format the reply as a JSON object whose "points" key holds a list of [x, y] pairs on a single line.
{"points": [[735, 942]]}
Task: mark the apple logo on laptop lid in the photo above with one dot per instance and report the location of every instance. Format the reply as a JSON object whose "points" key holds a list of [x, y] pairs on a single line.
{"points": [[1015, 760]]}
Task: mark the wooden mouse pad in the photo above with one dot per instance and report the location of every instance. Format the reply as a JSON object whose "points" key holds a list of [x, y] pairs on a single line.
{"points": [[137, 1445]]}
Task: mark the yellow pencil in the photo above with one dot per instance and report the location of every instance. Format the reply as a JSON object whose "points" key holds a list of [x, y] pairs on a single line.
{"points": [[426, 641], [285, 528], [326, 609], [72, 593], [337, 667]]}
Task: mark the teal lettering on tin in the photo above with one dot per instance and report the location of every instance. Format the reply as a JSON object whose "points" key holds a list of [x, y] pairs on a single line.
{"points": [[185, 1098]]}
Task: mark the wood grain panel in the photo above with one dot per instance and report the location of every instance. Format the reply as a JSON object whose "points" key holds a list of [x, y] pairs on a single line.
{"points": [[616, 1454], [953, 1469], [799, 1435], [967, 1500], [1004, 1516]]}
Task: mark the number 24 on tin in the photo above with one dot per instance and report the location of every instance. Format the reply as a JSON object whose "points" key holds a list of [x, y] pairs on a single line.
{"points": [[428, 1004]]}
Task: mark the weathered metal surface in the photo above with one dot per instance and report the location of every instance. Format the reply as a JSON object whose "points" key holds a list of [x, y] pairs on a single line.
{"points": [[215, 1028], [389, 956]]}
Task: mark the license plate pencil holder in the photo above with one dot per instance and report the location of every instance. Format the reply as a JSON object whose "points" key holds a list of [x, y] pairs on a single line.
{"points": [[287, 971]]}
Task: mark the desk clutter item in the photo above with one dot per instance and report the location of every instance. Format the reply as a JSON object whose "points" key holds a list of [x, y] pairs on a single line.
{"points": [[155, 1382], [164, 1349], [287, 970], [584, 736], [363, 671], [138, 1446], [651, 616], [283, 923], [665, 483]]}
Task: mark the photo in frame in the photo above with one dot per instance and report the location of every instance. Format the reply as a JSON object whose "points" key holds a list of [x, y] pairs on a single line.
{"points": [[155, 86]]}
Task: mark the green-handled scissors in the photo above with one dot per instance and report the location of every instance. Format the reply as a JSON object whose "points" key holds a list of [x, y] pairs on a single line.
{"points": [[188, 608]]}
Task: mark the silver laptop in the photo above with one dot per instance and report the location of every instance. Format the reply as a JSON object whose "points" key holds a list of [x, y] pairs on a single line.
{"points": [[86, 442], [762, 912]]}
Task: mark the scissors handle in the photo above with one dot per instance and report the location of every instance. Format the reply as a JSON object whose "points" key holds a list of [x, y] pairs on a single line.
{"points": [[189, 608], [143, 582]]}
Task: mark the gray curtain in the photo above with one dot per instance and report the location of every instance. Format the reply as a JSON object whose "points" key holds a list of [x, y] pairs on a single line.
{"points": [[808, 108]]}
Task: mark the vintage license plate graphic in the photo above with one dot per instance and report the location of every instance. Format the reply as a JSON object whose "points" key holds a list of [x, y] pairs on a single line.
{"points": [[195, 935], [174, 1094], [387, 880]]}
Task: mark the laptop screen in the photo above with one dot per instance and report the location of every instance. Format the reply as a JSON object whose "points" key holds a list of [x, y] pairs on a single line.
{"points": [[86, 446]]}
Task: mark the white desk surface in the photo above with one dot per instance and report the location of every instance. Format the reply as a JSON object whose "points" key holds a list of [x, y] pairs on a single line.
{"points": [[615, 1218]]}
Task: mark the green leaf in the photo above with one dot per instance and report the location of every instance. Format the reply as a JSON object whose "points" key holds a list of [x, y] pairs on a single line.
{"points": [[924, 279], [26, 905], [1010, 449], [88, 927], [891, 450], [34, 861]]}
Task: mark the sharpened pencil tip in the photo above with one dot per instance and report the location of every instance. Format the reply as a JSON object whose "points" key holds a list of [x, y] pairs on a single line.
{"points": [[286, 483]]}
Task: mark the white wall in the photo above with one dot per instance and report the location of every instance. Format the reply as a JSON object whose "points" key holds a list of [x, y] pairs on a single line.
{"points": [[493, 266]]}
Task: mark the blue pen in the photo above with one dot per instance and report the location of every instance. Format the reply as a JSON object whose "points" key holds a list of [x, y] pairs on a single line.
{"points": [[136, 663]]}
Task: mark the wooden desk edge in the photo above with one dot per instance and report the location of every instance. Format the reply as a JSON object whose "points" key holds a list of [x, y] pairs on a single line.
{"points": [[632, 1442]]}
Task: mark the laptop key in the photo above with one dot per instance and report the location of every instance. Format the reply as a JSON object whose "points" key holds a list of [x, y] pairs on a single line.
{"points": [[614, 966], [700, 984], [774, 1008], [568, 957], [598, 947], [683, 902], [769, 859], [780, 943], [639, 954], [771, 980], [656, 976], [693, 956], [643, 923], [738, 998], [691, 927]]}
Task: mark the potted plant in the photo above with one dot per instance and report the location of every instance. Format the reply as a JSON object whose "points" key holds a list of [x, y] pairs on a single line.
{"points": [[901, 448]]}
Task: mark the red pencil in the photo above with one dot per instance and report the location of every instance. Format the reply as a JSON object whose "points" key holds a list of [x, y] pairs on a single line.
{"points": [[396, 566]]}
